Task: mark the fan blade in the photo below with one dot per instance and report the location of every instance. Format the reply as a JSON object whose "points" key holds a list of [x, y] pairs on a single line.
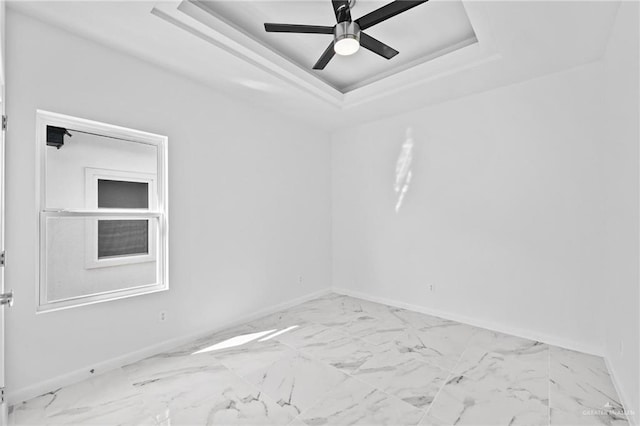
{"points": [[385, 12], [377, 46], [341, 9], [325, 58], [302, 29]]}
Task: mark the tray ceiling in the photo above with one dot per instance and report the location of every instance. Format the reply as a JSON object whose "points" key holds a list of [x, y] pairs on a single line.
{"points": [[420, 34], [517, 40]]}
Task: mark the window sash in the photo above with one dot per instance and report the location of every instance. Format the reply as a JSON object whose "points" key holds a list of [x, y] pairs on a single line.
{"points": [[106, 213], [46, 305]]}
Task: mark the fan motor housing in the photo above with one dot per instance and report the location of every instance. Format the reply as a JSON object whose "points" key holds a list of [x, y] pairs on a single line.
{"points": [[346, 30]]}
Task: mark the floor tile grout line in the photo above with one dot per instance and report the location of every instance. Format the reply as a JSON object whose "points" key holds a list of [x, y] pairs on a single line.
{"points": [[348, 374], [351, 376], [321, 362], [452, 373], [325, 364], [260, 391]]}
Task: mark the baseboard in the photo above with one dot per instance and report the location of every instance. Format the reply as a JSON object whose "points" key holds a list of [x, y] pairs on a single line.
{"points": [[489, 325], [632, 417], [49, 385]]}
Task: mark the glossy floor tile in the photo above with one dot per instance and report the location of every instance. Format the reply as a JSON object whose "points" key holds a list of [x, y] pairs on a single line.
{"points": [[339, 360]]}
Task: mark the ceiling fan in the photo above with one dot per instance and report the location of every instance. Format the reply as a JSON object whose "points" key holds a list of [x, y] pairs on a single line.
{"points": [[347, 34]]}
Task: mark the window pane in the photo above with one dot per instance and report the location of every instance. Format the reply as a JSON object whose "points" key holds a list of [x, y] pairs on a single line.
{"points": [[122, 237], [67, 168], [74, 268], [123, 194]]}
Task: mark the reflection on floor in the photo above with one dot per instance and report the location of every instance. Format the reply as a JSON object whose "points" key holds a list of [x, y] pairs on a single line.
{"points": [[340, 360]]}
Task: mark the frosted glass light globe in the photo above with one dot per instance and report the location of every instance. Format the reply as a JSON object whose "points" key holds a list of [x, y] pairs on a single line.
{"points": [[346, 46]]}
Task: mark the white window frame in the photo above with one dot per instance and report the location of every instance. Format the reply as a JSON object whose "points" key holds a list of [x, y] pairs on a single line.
{"points": [[91, 177], [157, 212]]}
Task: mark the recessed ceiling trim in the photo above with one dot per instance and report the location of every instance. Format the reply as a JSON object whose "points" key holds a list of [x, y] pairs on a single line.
{"points": [[466, 57], [439, 53], [198, 19], [239, 35], [413, 79], [225, 36]]}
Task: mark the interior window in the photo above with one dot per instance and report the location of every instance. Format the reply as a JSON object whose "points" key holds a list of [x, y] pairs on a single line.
{"points": [[103, 203]]}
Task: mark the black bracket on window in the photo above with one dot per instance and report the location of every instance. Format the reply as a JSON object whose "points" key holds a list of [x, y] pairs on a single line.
{"points": [[55, 136]]}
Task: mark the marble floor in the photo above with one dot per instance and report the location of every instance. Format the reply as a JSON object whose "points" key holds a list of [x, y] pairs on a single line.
{"points": [[340, 360]]}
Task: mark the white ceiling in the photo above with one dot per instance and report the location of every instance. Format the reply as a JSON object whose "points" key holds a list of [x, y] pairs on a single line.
{"points": [[517, 40], [420, 34]]}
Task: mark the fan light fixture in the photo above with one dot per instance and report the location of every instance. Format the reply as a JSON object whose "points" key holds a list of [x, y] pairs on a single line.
{"points": [[348, 34], [346, 38]]}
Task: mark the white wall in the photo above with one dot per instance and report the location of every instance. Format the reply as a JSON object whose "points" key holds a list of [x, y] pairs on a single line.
{"points": [[502, 215], [249, 196], [621, 280]]}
